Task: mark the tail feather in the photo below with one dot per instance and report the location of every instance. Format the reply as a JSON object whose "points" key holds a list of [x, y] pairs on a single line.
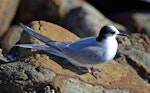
{"points": [[44, 48], [34, 46]]}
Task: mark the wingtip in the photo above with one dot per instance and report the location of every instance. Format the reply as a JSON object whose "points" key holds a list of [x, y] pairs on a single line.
{"points": [[25, 27], [17, 45]]}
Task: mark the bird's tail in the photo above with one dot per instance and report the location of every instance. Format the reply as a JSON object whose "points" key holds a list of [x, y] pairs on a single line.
{"points": [[44, 48]]}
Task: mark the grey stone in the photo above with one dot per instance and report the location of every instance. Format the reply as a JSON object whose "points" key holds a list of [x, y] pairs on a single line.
{"points": [[26, 71], [143, 57], [133, 52], [72, 85]]}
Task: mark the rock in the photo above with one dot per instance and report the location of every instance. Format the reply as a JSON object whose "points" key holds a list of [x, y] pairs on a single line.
{"points": [[137, 22], [12, 36], [140, 64], [65, 13], [128, 20], [135, 54], [124, 12], [40, 71], [77, 86], [144, 20], [27, 71], [89, 19], [7, 13], [37, 9], [141, 42], [33, 71], [136, 40], [24, 72]]}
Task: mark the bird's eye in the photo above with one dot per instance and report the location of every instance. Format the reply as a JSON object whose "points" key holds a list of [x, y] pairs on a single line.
{"points": [[112, 32]]}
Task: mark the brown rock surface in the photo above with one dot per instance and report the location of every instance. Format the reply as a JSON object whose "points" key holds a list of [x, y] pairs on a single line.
{"points": [[134, 52], [30, 10], [115, 77], [141, 40], [7, 12]]}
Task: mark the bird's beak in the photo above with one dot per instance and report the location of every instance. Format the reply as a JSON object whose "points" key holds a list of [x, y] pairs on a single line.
{"points": [[124, 33]]}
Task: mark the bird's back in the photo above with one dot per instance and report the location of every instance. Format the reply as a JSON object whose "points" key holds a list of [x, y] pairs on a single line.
{"points": [[86, 52]]}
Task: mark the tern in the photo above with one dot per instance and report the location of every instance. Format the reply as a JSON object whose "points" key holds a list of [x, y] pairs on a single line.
{"points": [[86, 52]]}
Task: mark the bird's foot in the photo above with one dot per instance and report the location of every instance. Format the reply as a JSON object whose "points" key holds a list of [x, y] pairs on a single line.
{"points": [[94, 72]]}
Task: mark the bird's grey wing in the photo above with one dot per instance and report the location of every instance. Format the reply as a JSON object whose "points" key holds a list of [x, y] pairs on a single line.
{"points": [[91, 55], [35, 34], [42, 38], [62, 44], [44, 48]]}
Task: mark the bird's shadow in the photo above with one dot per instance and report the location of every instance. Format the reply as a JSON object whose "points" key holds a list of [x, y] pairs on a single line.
{"points": [[61, 61]]}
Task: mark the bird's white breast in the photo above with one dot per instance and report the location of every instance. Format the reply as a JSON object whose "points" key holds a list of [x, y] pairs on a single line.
{"points": [[111, 46]]}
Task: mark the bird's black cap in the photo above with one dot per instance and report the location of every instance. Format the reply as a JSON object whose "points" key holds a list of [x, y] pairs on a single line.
{"points": [[104, 32], [109, 30]]}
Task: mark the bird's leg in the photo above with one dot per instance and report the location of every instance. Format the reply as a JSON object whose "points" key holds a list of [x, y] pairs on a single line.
{"points": [[94, 72], [95, 69]]}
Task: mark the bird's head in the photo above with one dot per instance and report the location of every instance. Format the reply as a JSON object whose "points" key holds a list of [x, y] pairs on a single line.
{"points": [[109, 31]]}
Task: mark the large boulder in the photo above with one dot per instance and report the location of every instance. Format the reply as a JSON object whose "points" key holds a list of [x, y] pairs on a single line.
{"points": [[82, 18]]}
